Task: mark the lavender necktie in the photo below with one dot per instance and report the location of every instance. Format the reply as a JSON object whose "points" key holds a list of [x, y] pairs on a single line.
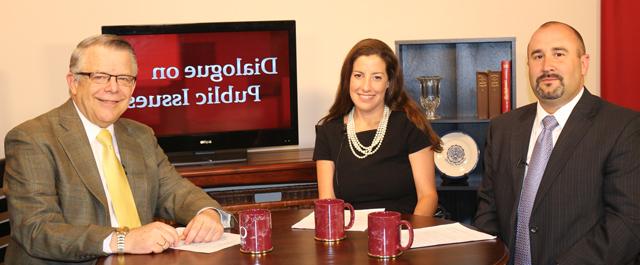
{"points": [[537, 164]]}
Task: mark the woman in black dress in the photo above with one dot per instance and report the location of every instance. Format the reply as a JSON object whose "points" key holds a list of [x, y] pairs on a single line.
{"points": [[375, 147]]}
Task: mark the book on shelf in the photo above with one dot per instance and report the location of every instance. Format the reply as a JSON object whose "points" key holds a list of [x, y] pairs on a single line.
{"points": [[495, 92], [505, 67], [482, 86]]}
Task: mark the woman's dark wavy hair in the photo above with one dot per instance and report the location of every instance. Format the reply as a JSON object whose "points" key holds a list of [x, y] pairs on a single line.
{"points": [[396, 96]]}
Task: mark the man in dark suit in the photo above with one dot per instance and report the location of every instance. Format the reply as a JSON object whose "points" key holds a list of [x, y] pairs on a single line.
{"points": [[565, 189], [60, 198]]}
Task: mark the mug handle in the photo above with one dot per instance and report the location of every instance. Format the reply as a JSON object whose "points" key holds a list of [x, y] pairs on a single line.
{"points": [[410, 227], [352, 214]]}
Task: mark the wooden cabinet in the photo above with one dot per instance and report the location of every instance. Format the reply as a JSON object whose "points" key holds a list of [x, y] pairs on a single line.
{"points": [[267, 167]]}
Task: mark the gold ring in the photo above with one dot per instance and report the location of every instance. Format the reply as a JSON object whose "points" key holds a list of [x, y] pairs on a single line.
{"points": [[161, 245]]}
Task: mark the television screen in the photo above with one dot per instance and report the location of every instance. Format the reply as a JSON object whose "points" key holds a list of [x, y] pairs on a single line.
{"points": [[208, 87]]}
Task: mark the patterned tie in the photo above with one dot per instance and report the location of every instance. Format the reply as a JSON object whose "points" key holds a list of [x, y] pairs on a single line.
{"points": [[537, 164], [122, 201]]}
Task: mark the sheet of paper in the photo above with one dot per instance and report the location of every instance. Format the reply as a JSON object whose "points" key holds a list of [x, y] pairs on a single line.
{"points": [[359, 224], [227, 240], [443, 234]]}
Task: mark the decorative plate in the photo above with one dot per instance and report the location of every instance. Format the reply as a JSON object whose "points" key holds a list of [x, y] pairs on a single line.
{"points": [[459, 155]]}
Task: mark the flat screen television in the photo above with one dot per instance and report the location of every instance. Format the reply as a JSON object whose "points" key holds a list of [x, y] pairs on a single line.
{"points": [[212, 90]]}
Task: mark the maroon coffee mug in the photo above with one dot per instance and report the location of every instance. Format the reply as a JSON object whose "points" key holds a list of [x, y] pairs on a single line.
{"points": [[255, 231], [329, 215], [384, 234]]}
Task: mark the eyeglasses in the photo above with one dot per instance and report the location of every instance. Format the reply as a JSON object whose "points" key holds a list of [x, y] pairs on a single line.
{"points": [[103, 78]]}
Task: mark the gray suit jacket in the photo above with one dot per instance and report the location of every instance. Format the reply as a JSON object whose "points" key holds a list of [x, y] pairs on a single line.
{"points": [[587, 209], [57, 205]]}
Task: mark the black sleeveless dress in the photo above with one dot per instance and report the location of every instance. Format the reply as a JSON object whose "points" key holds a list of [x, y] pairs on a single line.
{"points": [[381, 180]]}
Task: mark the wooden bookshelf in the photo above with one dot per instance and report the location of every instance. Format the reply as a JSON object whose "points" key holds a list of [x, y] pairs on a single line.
{"points": [[457, 61]]}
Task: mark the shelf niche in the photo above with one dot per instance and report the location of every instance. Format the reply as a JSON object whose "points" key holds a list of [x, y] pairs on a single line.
{"points": [[456, 61]]}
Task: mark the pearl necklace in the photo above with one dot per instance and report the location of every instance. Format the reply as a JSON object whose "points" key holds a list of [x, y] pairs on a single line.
{"points": [[355, 144]]}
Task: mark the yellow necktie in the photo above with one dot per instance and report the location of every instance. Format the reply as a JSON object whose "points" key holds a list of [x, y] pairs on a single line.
{"points": [[122, 201]]}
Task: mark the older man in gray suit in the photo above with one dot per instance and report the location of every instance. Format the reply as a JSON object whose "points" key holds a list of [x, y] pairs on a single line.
{"points": [[562, 176], [69, 197]]}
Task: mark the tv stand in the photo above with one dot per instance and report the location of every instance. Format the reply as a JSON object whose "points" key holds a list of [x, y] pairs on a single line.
{"points": [[291, 166], [208, 157]]}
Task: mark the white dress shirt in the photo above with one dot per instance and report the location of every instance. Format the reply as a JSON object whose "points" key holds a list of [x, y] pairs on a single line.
{"points": [[561, 115]]}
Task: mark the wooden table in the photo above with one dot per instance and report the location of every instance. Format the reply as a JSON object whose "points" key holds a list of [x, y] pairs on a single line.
{"points": [[298, 247]]}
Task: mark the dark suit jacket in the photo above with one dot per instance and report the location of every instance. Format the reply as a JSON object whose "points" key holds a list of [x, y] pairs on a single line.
{"points": [[56, 201], [587, 209]]}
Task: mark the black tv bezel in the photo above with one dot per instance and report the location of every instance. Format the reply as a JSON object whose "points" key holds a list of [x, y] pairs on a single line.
{"points": [[203, 143]]}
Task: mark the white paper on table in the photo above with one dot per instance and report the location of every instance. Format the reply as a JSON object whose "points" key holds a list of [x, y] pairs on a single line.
{"points": [[359, 224], [227, 240], [443, 234]]}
